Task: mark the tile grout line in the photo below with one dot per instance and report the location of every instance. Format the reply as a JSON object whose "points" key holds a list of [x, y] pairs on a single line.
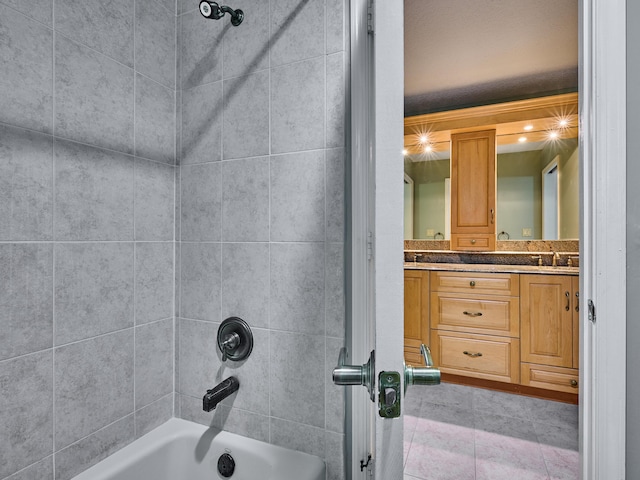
{"points": [[135, 245], [179, 158], [176, 179], [270, 253], [53, 236]]}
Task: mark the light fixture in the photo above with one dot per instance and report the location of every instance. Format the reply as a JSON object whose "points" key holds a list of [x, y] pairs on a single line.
{"points": [[423, 139], [428, 148], [553, 135], [563, 123], [528, 127], [522, 139], [405, 151]]}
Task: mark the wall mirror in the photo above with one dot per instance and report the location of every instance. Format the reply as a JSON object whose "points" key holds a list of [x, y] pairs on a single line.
{"points": [[537, 168]]}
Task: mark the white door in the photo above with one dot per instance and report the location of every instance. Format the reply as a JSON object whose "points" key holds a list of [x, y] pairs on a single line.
{"points": [[388, 243], [603, 232]]}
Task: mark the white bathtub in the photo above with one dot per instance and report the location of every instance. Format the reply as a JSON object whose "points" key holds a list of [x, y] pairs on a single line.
{"points": [[182, 450]]}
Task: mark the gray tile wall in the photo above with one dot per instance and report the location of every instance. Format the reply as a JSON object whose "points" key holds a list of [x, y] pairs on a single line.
{"points": [[105, 99], [87, 208], [261, 218]]}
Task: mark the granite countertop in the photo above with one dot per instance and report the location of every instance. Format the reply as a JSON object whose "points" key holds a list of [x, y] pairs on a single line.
{"points": [[492, 268]]}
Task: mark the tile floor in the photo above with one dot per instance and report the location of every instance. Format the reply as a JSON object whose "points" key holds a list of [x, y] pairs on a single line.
{"points": [[454, 432]]}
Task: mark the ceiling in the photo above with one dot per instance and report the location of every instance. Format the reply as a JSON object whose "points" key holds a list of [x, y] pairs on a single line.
{"points": [[461, 53]]}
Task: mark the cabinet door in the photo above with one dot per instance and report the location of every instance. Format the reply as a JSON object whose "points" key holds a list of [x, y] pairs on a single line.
{"points": [[546, 317], [575, 283], [473, 190], [416, 314]]}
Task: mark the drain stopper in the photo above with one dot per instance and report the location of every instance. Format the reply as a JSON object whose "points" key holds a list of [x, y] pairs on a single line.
{"points": [[226, 465]]}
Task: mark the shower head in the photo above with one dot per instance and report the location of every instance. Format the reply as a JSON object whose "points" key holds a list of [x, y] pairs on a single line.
{"points": [[212, 10]]}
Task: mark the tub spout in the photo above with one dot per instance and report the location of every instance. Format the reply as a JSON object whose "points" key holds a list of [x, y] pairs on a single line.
{"points": [[218, 393]]}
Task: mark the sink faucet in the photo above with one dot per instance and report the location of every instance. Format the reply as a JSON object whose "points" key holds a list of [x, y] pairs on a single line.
{"points": [[556, 257], [218, 393]]}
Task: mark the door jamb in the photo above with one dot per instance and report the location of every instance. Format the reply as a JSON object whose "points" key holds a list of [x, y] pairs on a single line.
{"points": [[603, 238]]}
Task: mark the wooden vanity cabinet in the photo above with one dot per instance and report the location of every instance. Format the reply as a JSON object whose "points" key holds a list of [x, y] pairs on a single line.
{"points": [[549, 331], [416, 315], [516, 329], [473, 190], [475, 324]]}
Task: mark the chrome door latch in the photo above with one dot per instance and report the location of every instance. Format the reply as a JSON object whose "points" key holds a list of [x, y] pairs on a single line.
{"points": [[592, 311], [356, 374], [389, 397], [427, 375]]}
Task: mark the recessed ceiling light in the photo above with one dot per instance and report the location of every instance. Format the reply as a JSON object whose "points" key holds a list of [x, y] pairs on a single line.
{"points": [[564, 122], [428, 148], [553, 135], [522, 139], [423, 139], [528, 127], [405, 151]]}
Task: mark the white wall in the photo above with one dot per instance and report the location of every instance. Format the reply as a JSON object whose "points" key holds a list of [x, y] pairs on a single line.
{"points": [[633, 239]]}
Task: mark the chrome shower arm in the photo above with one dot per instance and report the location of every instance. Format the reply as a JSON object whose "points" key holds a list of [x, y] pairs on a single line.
{"points": [[213, 10]]}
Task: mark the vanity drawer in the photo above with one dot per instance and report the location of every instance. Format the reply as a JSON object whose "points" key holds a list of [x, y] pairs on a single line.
{"points": [[480, 356], [474, 243], [472, 282], [488, 314], [550, 378]]}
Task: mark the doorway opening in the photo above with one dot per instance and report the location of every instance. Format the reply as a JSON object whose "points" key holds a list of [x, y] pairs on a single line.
{"points": [[507, 407]]}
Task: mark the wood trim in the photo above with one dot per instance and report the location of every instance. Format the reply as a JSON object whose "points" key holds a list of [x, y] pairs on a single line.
{"points": [[511, 388], [487, 115]]}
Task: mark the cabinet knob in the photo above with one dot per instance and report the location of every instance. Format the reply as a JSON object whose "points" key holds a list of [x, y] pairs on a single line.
{"points": [[472, 283], [574, 383], [473, 241]]}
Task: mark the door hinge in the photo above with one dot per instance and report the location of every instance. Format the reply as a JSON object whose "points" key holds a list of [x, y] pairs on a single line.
{"points": [[365, 465], [592, 311], [369, 245], [368, 465], [370, 16]]}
